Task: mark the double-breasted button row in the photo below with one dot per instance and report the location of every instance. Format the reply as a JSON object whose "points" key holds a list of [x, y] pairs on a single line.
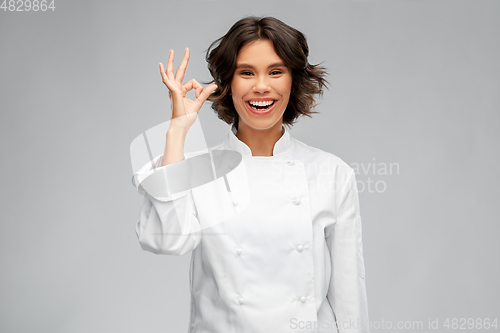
{"points": [[241, 300]]}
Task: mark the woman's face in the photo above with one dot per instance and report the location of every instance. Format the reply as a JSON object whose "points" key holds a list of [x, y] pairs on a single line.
{"points": [[261, 86]]}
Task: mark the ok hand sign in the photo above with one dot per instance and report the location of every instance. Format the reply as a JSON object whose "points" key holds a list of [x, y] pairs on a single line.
{"points": [[184, 110]]}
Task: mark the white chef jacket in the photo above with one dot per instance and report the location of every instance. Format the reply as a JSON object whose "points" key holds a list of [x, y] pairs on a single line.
{"points": [[291, 261]]}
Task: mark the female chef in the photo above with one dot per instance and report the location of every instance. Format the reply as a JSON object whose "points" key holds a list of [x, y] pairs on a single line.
{"points": [[292, 259]]}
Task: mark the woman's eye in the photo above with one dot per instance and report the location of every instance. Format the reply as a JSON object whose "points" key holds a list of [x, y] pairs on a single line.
{"points": [[246, 73], [276, 72]]}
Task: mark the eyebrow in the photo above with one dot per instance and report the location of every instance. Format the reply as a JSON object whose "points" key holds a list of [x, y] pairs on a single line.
{"points": [[276, 64]]}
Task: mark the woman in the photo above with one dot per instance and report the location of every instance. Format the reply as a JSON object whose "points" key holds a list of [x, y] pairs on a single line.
{"points": [[292, 259]]}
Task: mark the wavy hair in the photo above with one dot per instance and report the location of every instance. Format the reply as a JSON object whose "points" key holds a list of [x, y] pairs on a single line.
{"points": [[290, 45]]}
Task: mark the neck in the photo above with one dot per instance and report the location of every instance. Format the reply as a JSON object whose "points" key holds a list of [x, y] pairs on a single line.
{"points": [[260, 141]]}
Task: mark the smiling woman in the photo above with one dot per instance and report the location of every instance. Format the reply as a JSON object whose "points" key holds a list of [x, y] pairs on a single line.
{"points": [[291, 255]]}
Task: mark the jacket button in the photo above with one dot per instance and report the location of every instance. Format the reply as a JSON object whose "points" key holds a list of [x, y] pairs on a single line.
{"points": [[291, 162], [303, 299], [300, 248], [296, 201], [239, 250], [235, 202], [241, 300]]}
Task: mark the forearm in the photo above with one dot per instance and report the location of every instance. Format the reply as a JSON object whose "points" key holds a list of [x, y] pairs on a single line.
{"points": [[174, 146], [168, 227]]}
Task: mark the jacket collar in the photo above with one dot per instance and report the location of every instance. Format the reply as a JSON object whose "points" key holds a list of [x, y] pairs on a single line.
{"points": [[280, 147]]}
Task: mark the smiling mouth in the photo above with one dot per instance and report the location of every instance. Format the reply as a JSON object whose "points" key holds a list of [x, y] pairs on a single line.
{"points": [[261, 106]]}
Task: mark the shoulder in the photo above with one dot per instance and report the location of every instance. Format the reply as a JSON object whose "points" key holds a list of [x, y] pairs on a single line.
{"points": [[316, 158]]}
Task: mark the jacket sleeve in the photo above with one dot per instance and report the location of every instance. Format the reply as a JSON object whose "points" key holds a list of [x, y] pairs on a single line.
{"points": [[347, 290], [167, 224]]}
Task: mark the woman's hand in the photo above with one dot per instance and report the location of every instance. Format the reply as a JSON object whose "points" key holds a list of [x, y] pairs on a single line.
{"points": [[184, 110]]}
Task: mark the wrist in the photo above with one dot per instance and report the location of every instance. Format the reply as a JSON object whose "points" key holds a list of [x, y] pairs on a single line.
{"points": [[174, 131]]}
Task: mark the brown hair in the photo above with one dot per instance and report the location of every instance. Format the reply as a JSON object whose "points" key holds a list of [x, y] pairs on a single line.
{"points": [[290, 45]]}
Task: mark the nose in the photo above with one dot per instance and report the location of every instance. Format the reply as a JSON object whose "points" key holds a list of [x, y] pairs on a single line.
{"points": [[262, 84]]}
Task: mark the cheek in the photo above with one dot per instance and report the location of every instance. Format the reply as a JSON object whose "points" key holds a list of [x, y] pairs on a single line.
{"points": [[287, 85], [236, 87], [287, 89]]}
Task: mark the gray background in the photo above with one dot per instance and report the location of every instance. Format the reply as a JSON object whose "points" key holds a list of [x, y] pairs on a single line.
{"points": [[414, 83]]}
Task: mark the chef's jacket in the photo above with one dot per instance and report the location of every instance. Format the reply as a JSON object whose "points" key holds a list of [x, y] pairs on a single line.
{"points": [[290, 261]]}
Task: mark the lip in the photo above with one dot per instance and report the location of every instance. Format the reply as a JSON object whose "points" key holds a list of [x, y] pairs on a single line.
{"points": [[261, 99], [260, 113]]}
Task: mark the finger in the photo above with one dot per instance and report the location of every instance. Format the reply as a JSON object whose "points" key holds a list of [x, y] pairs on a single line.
{"points": [[179, 74], [205, 93], [193, 84], [162, 72], [170, 65], [164, 77]]}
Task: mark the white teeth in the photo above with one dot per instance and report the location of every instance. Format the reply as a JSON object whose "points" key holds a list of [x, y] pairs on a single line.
{"points": [[261, 103]]}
